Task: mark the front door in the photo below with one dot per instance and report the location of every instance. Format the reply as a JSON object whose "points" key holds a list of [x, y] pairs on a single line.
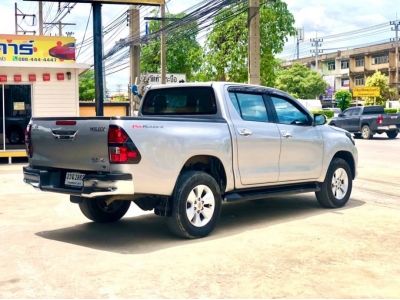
{"points": [[257, 138], [302, 145]]}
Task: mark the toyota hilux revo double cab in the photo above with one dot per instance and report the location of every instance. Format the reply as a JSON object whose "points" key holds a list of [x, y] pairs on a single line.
{"points": [[191, 148]]}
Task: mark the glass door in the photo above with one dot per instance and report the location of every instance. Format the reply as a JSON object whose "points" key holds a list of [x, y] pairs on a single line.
{"points": [[16, 114]]}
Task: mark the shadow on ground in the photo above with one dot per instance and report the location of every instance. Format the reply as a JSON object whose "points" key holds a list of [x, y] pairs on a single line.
{"points": [[149, 233]]}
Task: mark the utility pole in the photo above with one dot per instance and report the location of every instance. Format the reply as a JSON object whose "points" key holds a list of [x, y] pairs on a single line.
{"points": [[163, 47], [395, 28], [134, 51], [98, 58], [317, 43], [254, 53], [18, 13], [60, 26], [299, 38], [40, 17]]}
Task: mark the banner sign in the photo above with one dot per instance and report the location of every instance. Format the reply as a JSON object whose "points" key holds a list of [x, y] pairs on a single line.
{"points": [[154, 78], [31, 48], [366, 91], [132, 2]]}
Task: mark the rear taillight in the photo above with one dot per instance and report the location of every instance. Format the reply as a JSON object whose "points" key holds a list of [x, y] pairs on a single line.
{"points": [[379, 120], [28, 141], [121, 149]]}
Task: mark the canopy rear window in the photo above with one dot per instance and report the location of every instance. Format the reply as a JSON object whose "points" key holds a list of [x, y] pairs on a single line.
{"points": [[180, 101]]}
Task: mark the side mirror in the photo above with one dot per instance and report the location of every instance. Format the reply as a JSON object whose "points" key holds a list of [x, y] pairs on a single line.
{"points": [[341, 115], [319, 119]]}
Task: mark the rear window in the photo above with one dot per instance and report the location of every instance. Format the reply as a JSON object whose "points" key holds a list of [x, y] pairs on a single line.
{"points": [[372, 110], [180, 101]]}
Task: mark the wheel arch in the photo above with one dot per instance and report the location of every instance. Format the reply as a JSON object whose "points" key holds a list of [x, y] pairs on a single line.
{"points": [[348, 157], [209, 164]]}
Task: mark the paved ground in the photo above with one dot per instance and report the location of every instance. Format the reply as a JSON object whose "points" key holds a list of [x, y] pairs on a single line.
{"points": [[284, 247]]}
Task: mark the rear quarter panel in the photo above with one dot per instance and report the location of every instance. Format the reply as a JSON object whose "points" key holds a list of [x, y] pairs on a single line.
{"points": [[165, 147]]}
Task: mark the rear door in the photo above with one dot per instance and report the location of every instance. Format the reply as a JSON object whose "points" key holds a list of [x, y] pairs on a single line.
{"points": [[257, 138], [77, 144], [302, 146]]}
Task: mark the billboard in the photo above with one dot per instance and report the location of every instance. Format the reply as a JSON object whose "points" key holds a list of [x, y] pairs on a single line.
{"points": [[134, 2], [30, 48], [154, 78], [366, 91]]}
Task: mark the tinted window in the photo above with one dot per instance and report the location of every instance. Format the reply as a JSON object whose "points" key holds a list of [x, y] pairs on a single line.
{"points": [[288, 113], [251, 107], [180, 101], [348, 112]]}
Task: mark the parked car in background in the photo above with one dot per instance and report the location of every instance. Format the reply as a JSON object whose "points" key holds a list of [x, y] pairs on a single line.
{"points": [[365, 121], [336, 111]]}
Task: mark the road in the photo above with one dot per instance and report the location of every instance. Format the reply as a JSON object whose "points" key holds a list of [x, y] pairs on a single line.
{"points": [[284, 247]]}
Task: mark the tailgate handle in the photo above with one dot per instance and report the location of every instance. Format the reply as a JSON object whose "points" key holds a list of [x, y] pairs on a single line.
{"points": [[64, 134]]}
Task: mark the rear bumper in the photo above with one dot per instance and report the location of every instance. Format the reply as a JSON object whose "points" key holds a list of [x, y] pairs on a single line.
{"points": [[94, 185], [387, 128]]}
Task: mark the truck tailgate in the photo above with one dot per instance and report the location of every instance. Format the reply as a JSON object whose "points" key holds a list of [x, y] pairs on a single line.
{"points": [[73, 143], [391, 120]]}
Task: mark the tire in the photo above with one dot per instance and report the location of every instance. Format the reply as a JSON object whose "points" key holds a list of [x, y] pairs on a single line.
{"points": [[392, 134], [366, 133], [98, 211], [357, 135], [336, 189], [196, 205]]}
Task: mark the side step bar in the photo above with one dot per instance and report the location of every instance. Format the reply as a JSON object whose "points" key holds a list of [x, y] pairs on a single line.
{"points": [[257, 194]]}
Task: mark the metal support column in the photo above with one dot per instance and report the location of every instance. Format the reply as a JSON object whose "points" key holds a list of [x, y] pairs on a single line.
{"points": [[163, 47], [98, 58]]}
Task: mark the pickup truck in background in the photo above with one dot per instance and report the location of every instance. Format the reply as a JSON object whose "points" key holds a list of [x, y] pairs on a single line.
{"points": [[365, 121], [192, 147]]}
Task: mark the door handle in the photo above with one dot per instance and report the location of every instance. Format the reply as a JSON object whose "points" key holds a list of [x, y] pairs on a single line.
{"points": [[245, 132], [286, 134]]}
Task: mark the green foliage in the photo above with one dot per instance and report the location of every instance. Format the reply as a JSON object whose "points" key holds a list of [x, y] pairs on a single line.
{"points": [[225, 56], [382, 81], [184, 53], [301, 82], [86, 86], [328, 113], [343, 99], [391, 110]]}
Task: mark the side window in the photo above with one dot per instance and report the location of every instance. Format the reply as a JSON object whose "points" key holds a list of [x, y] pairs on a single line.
{"points": [[348, 112], [288, 113], [251, 107], [356, 112]]}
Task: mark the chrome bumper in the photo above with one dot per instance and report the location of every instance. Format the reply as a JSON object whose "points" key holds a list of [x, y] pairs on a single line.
{"points": [[94, 185]]}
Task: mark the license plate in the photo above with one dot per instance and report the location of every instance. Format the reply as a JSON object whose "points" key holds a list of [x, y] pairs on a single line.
{"points": [[74, 179], [392, 127]]}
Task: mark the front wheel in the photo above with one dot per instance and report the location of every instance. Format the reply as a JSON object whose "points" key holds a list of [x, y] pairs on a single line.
{"points": [[392, 134], [336, 189], [196, 205], [100, 210]]}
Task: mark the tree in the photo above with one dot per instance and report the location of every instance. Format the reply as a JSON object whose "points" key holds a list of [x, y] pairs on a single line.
{"points": [[382, 82], [86, 86], [226, 46], [343, 99], [301, 82], [184, 53]]}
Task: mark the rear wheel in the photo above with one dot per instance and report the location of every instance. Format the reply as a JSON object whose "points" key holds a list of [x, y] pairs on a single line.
{"points": [[366, 132], [336, 189], [196, 205], [101, 211], [392, 134]]}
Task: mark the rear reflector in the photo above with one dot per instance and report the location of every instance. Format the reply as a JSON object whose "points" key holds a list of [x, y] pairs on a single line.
{"points": [[66, 123]]}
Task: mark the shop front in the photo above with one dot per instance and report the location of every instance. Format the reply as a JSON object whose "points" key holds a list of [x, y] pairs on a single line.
{"points": [[38, 78]]}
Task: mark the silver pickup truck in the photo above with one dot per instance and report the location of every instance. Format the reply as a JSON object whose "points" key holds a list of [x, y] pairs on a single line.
{"points": [[192, 147]]}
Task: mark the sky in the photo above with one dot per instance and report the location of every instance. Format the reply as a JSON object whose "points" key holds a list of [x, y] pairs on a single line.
{"points": [[321, 17]]}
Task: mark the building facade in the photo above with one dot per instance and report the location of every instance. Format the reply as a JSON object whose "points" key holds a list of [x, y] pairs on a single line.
{"points": [[343, 70]]}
